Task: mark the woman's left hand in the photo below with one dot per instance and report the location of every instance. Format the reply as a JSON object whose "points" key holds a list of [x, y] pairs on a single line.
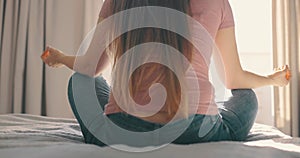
{"points": [[53, 57], [281, 76]]}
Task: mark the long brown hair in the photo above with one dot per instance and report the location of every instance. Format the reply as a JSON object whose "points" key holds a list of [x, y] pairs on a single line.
{"points": [[135, 37]]}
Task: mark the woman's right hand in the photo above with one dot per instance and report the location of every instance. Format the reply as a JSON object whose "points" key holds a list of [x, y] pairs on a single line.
{"points": [[281, 76], [53, 57]]}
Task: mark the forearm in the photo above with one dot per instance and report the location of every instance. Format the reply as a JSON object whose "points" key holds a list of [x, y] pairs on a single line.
{"points": [[82, 65], [68, 61], [248, 80]]}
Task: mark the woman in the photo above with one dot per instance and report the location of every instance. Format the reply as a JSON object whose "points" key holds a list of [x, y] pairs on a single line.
{"points": [[237, 114]]}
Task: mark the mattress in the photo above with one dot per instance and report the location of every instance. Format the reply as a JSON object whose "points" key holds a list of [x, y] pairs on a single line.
{"points": [[36, 136]]}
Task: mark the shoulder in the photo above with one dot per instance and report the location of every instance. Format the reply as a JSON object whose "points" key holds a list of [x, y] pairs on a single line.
{"points": [[211, 5], [106, 8]]}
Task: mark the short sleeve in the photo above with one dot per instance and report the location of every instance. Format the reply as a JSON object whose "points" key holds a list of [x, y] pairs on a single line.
{"points": [[106, 9], [227, 16]]}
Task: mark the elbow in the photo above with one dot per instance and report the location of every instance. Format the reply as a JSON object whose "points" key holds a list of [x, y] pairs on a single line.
{"points": [[90, 75], [97, 72], [95, 75], [235, 81], [231, 85], [86, 70]]}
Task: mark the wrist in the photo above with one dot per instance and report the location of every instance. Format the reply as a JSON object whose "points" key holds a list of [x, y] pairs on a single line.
{"points": [[61, 59], [270, 80]]}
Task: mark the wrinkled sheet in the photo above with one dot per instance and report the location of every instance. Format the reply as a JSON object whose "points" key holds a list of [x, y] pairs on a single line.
{"points": [[36, 136]]}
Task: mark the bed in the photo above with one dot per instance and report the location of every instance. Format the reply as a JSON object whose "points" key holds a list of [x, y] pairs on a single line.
{"points": [[28, 136]]}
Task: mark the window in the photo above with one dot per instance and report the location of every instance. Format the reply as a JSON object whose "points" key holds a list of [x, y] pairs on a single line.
{"points": [[254, 38]]}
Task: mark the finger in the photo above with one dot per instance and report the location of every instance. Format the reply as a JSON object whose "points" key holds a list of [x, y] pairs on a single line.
{"points": [[52, 49], [45, 61], [45, 55], [57, 66], [283, 67], [286, 68], [288, 75], [49, 47]]}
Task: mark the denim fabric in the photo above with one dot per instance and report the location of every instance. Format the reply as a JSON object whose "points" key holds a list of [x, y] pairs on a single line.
{"points": [[235, 119]]}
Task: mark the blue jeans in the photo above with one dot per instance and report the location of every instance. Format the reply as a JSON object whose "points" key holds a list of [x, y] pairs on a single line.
{"points": [[235, 119]]}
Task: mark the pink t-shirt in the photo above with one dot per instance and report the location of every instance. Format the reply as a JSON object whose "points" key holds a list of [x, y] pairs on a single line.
{"points": [[213, 15]]}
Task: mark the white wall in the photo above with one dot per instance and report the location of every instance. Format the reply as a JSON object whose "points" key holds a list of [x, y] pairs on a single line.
{"points": [[254, 37]]}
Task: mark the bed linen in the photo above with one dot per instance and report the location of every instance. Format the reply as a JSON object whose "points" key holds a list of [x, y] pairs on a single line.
{"points": [[36, 136]]}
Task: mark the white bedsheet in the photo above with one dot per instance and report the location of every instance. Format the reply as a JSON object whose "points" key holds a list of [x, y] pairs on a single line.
{"points": [[34, 136]]}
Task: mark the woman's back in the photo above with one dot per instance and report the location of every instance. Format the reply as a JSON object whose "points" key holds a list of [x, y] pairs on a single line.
{"points": [[213, 15]]}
